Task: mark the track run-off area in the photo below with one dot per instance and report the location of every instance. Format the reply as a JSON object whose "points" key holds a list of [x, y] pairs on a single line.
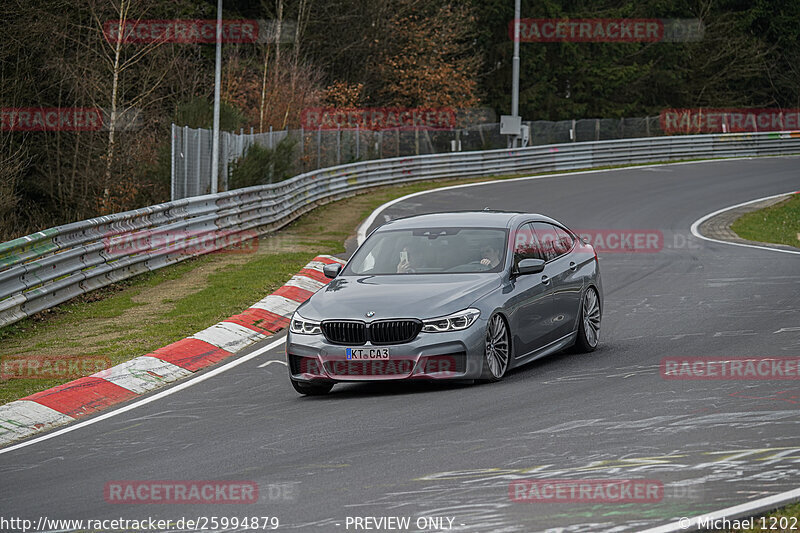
{"points": [[450, 452]]}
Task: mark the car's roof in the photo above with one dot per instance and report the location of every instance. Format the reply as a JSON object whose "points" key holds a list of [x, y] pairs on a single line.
{"points": [[464, 219]]}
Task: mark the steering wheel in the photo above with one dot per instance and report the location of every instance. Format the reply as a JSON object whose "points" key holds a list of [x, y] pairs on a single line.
{"points": [[479, 264]]}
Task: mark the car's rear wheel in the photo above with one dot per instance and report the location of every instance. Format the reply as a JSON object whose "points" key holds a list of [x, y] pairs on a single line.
{"points": [[312, 389], [497, 349], [589, 325]]}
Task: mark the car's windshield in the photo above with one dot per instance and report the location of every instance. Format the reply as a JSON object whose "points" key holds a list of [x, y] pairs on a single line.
{"points": [[434, 250]]}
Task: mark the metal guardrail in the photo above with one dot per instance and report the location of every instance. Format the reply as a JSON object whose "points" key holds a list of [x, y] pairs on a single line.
{"points": [[47, 268]]}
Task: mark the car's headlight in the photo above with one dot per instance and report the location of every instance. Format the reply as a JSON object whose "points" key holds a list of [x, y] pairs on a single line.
{"points": [[304, 326], [455, 322]]}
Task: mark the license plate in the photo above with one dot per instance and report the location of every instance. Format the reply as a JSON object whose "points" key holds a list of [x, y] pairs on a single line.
{"points": [[367, 353]]}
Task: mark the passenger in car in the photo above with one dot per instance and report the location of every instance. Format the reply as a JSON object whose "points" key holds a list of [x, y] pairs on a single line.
{"points": [[406, 260]]}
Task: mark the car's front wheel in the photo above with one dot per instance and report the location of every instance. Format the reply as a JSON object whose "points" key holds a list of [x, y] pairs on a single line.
{"points": [[312, 389], [497, 349], [589, 325]]}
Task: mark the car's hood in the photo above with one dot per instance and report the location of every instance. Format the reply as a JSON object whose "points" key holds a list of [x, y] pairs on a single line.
{"points": [[402, 296]]}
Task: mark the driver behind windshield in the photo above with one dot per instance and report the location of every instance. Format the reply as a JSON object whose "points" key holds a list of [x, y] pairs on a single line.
{"points": [[490, 255]]}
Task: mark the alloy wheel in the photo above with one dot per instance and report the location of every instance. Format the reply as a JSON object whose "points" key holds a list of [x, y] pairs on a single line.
{"points": [[497, 346], [591, 317]]}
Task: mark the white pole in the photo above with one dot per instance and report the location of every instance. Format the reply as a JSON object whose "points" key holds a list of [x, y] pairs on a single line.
{"points": [[515, 68], [217, 76]]}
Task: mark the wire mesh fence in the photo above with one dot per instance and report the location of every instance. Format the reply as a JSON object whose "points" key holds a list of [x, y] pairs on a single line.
{"points": [[322, 148], [191, 157]]}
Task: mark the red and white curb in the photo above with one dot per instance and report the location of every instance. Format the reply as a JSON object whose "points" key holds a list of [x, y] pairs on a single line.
{"points": [[88, 395]]}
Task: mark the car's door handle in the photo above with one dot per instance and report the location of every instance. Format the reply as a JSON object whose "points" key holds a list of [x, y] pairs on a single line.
{"points": [[572, 265], [545, 280]]}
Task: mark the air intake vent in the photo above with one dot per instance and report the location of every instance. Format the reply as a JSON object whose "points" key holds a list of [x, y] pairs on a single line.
{"points": [[345, 332], [394, 331], [354, 333], [402, 367]]}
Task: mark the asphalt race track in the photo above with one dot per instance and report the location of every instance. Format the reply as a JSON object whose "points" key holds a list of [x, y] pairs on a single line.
{"points": [[415, 450]]}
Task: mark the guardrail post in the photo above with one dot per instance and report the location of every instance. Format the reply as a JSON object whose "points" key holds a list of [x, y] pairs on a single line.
{"points": [[302, 149], [226, 162], [319, 147], [197, 165], [173, 184], [185, 162], [338, 145]]}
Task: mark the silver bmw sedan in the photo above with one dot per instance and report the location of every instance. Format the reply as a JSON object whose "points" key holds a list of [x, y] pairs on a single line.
{"points": [[464, 296]]}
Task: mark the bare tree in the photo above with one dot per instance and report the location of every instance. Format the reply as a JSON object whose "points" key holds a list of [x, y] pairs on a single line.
{"points": [[277, 38], [14, 160], [303, 10], [119, 57]]}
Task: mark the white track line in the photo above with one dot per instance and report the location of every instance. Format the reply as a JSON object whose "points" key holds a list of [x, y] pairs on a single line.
{"points": [[262, 365], [696, 225], [145, 401], [744, 510]]}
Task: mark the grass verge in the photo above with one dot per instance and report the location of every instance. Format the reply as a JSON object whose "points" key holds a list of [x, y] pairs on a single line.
{"points": [[778, 224]]}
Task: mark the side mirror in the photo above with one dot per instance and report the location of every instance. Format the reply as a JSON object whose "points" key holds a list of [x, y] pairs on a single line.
{"points": [[332, 270], [530, 266]]}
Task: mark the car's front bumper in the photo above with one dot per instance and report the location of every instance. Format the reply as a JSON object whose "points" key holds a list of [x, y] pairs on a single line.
{"points": [[430, 356]]}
